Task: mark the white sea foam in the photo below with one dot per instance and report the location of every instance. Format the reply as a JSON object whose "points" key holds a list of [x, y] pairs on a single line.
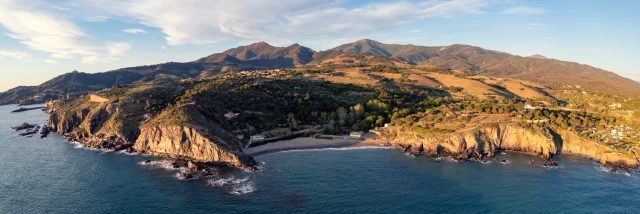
{"points": [[160, 164], [220, 182], [77, 144], [505, 162], [124, 152], [484, 161], [245, 188], [182, 172], [447, 158], [608, 169]]}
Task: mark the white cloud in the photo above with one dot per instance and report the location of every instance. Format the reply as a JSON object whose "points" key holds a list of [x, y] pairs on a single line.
{"points": [[163, 47], [523, 10], [212, 21], [51, 61], [118, 48], [135, 31], [19, 55], [47, 27]]}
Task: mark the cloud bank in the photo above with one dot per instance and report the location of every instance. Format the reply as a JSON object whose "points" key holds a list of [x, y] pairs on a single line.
{"points": [[43, 27]]}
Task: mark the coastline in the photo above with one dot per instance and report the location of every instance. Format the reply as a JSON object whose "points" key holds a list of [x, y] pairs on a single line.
{"points": [[308, 143]]}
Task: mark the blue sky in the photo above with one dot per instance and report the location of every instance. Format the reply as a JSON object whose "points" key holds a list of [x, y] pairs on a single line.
{"points": [[42, 39]]}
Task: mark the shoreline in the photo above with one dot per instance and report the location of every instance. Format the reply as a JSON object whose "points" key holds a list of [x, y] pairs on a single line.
{"points": [[308, 143]]}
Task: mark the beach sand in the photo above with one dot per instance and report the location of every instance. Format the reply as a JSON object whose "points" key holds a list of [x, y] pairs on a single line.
{"points": [[310, 143]]}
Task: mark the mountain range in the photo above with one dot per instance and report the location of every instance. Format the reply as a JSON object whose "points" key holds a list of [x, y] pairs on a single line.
{"points": [[466, 59]]}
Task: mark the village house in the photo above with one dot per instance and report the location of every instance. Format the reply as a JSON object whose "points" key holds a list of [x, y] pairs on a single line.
{"points": [[255, 138], [356, 134]]}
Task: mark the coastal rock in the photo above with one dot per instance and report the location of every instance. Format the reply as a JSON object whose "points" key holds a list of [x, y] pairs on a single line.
{"points": [[486, 140], [192, 166], [551, 163], [23, 126]]}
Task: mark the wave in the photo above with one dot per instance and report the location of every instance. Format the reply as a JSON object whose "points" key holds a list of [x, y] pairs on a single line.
{"points": [[243, 189], [612, 170], [505, 162], [221, 182]]}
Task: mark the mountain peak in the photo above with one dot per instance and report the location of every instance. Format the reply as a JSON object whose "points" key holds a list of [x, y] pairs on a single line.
{"points": [[367, 41], [538, 56], [260, 44]]}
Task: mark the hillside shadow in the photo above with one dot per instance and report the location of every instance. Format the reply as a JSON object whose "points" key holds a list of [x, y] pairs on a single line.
{"points": [[557, 141]]}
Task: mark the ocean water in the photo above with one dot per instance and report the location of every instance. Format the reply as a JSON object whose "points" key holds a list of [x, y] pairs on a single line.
{"points": [[53, 176]]}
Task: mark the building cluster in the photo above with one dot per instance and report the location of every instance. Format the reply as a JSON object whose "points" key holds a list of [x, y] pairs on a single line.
{"points": [[261, 73], [625, 132]]}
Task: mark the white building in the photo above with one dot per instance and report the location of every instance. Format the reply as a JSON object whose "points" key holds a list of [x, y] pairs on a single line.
{"points": [[255, 138], [356, 134]]}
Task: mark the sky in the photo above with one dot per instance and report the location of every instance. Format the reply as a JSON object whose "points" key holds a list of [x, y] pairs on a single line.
{"points": [[42, 39]]}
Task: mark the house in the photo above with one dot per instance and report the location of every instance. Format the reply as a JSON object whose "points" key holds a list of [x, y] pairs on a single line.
{"points": [[356, 134], [616, 105], [230, 115], [255, 138], [529, 107]]}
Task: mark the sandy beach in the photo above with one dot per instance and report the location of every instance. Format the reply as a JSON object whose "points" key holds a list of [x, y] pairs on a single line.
{"points": [[310, 143]]}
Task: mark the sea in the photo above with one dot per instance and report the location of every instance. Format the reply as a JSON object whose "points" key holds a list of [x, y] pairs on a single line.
{"points": [[52, 175]]}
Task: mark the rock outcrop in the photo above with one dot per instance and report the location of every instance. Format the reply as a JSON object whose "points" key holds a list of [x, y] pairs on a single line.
{"points": [[184, 142], [485, 141]]}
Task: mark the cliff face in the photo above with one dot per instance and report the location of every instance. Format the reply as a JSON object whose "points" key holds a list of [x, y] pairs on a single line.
{"points": [[486, 141], [184, 142]]}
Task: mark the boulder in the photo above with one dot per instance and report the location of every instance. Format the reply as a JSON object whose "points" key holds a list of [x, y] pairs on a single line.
{"points": [[193, 166]]}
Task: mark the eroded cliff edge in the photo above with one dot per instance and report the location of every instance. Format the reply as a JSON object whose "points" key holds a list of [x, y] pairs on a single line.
{"points": [[484, 141], [147, 120]]}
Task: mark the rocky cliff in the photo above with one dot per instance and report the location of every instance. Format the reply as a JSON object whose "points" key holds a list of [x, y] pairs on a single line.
{"points": [[485, 141], [126, 124], [184, 142]]}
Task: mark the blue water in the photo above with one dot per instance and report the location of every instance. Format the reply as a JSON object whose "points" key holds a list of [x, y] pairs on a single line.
{"points": [[53, 176]]}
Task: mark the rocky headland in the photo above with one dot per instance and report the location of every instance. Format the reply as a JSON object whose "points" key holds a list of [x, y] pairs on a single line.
{"points": [[143, 120]]}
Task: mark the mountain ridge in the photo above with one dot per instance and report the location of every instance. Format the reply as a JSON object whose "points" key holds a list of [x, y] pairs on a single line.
{"points": [[468, 59]]}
